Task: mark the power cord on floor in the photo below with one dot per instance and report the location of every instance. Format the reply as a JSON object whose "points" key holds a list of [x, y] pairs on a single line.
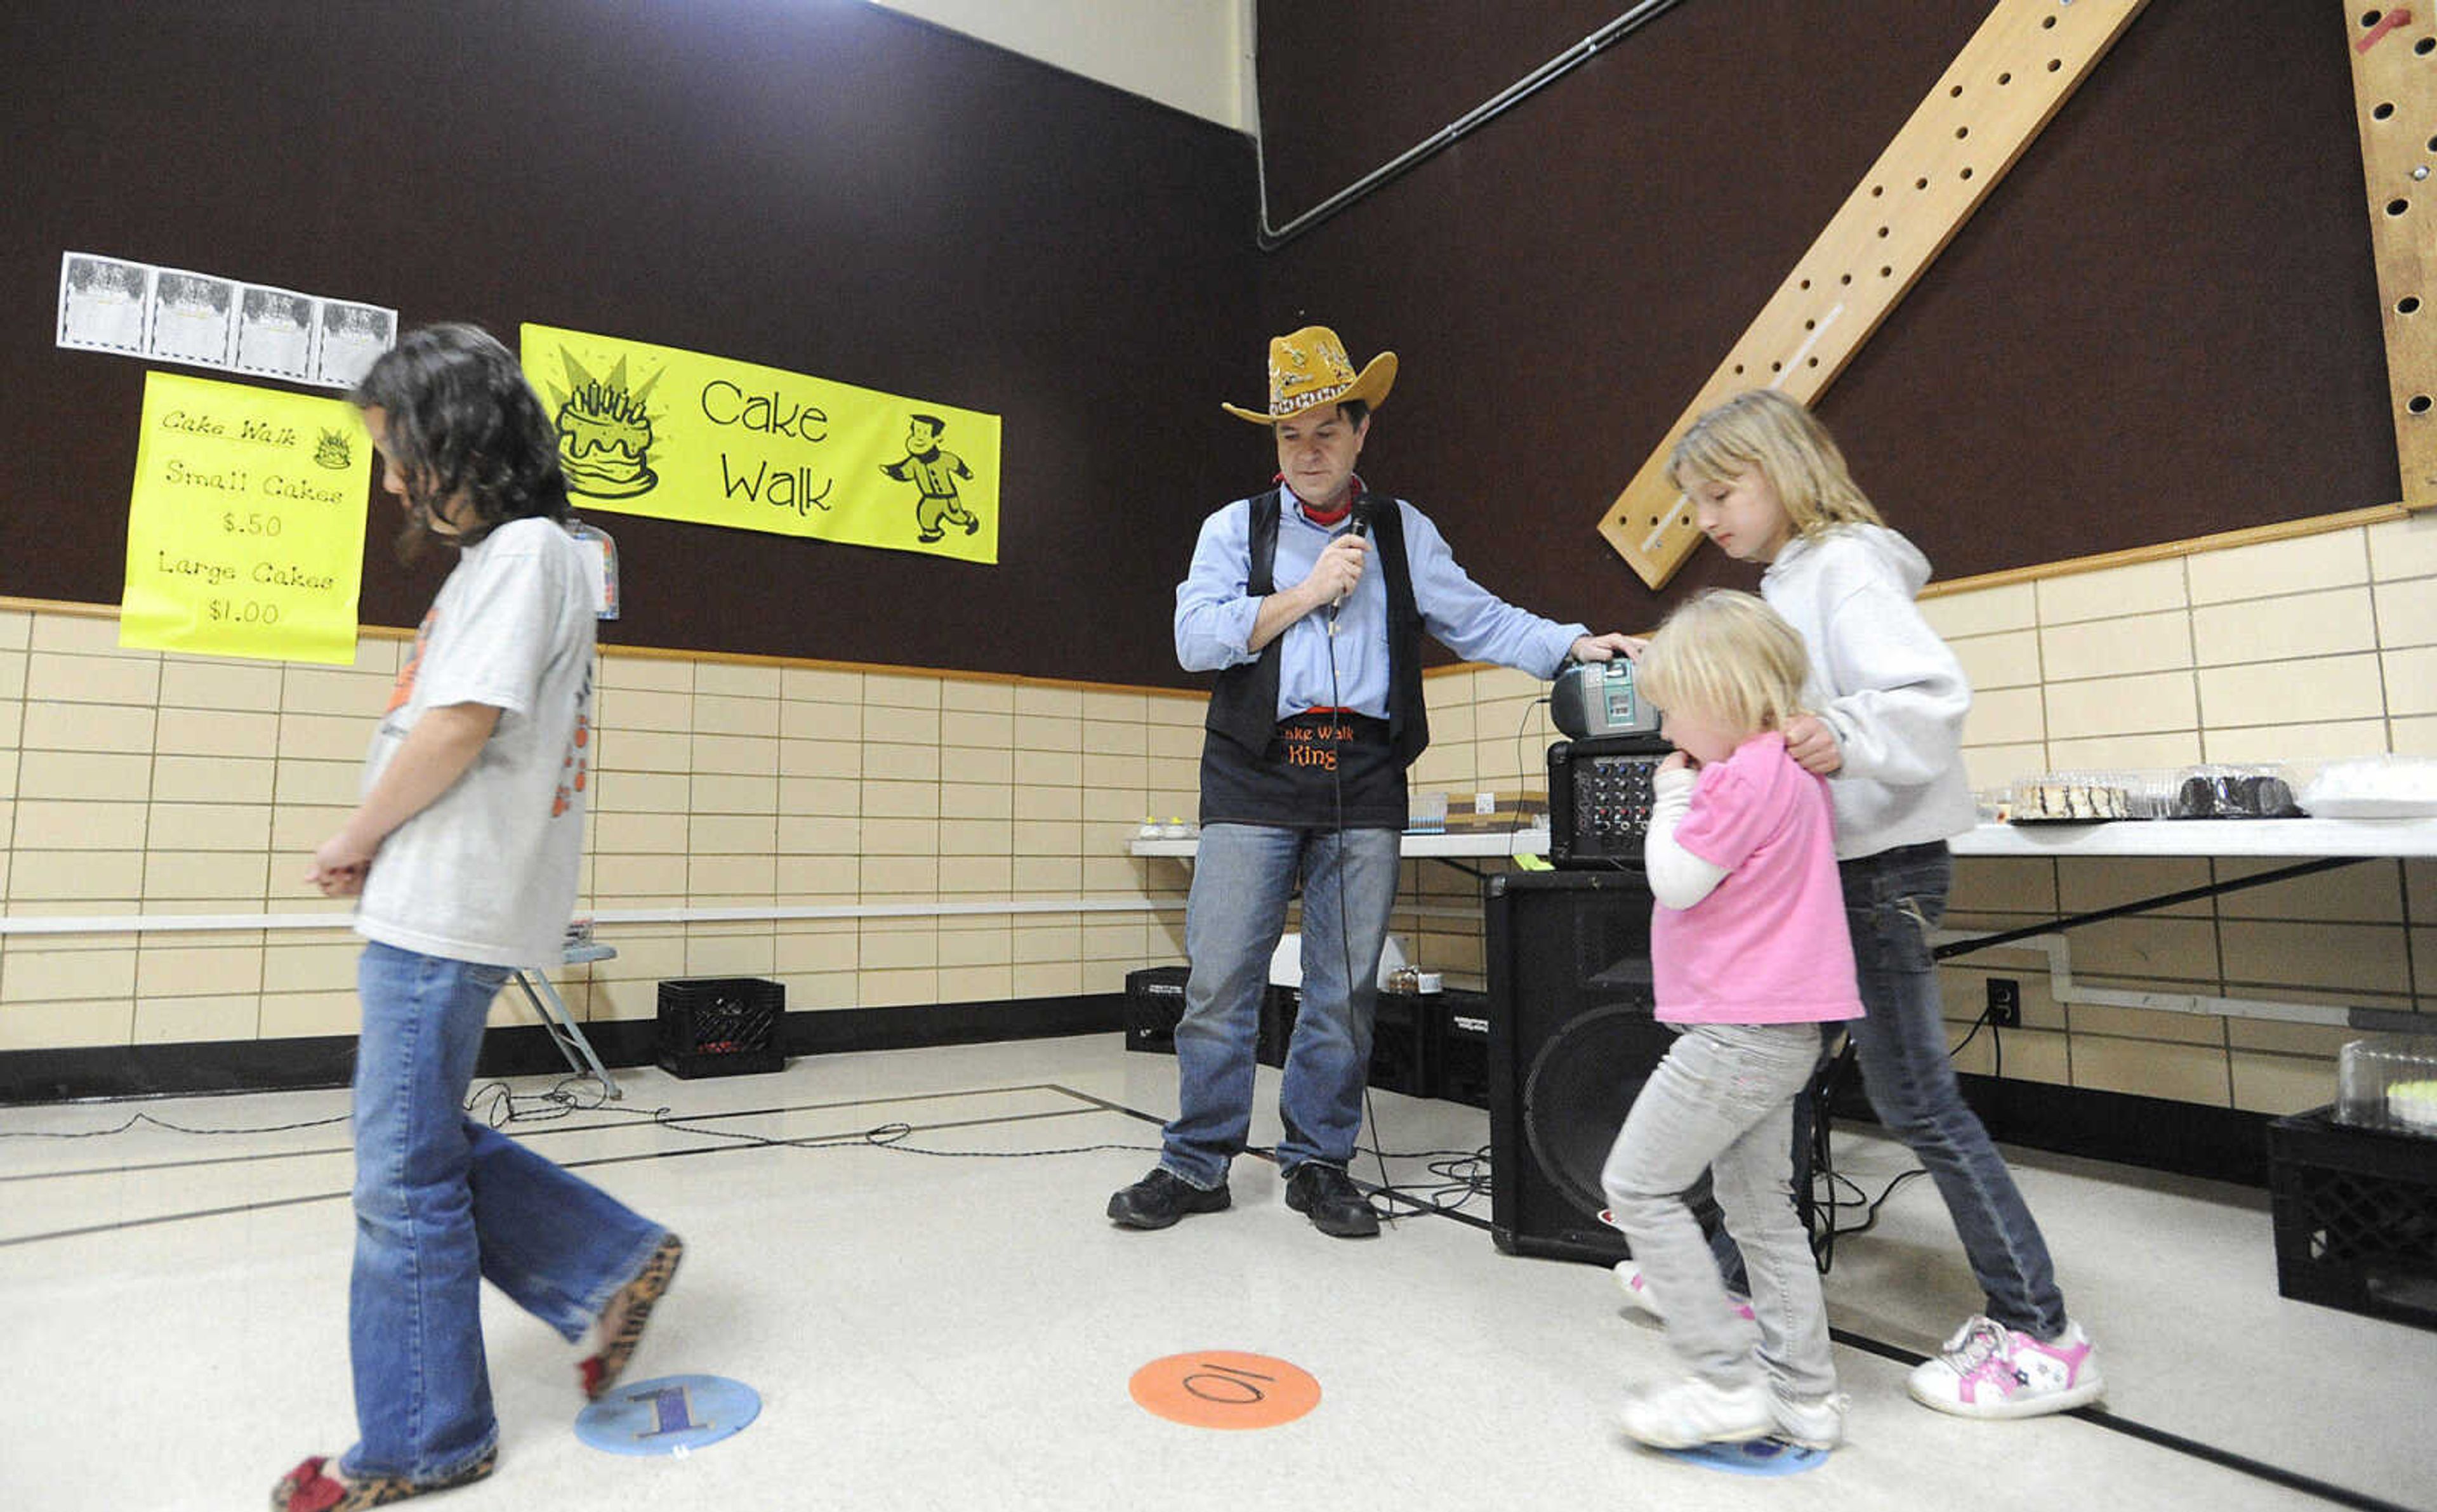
{"points": [[1823, 1166], [499, 1105], [1462, 1174], [1824, 1243], [135, 1119], [879, 1137], [1871, 1204]]}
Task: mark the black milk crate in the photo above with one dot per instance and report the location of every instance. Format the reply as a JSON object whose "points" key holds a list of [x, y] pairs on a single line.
{"points": [[721, 1025], [1463, 1023], [2356, 1215], [1154, 1002]]}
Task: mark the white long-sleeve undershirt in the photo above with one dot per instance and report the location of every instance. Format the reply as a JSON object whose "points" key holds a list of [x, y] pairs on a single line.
{"points": [[1678, 878]]}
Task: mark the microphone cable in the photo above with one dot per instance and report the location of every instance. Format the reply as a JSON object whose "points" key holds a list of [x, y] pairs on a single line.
{"points": [[1342, 726]]}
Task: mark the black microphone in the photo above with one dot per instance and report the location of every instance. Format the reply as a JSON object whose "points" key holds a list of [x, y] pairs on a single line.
{"points": [[1364, 509]]}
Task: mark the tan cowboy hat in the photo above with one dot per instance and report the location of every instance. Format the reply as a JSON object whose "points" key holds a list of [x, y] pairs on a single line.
{"points": [[1311, 369]]}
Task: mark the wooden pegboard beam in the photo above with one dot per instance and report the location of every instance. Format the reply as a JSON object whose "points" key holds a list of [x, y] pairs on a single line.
{"points": [[2014, 74], [2394, 92]]}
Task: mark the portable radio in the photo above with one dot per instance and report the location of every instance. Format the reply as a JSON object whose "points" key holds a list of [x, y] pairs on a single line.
{"points": [[1598, 698]]}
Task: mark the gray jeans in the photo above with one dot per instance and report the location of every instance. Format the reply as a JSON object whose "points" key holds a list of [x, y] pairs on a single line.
{"points": [[1723, 1098]]}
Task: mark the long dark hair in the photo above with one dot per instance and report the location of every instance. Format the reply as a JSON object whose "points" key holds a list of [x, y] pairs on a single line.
{"points": [[464, 424]]}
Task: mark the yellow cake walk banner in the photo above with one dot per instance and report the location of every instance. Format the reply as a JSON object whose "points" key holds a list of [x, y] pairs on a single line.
{"points": [[245, 533], [678, 435]]}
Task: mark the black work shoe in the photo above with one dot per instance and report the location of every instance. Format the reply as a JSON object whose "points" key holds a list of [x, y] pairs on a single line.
{"points": [[1162, 1197], [1337, 1205]]}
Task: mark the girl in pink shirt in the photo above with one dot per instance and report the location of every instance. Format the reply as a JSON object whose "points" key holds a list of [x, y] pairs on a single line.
{"points": [[1749, 955]]}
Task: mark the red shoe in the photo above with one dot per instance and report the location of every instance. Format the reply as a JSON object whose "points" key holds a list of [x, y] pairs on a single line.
{"points": [[311, 1487]]}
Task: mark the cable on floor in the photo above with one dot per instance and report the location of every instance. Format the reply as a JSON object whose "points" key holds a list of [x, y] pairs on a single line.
{"points": [[135, 1119], [879, 1137], [1462, 1174]]}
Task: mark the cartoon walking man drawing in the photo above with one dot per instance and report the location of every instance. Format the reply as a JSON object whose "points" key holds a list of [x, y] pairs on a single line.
{"points": [[934, 470]]}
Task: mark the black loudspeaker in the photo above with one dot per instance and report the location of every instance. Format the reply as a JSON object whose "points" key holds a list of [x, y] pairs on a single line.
{"points": [[1460, 1020], [1154, 1001], [1571, 1040]]}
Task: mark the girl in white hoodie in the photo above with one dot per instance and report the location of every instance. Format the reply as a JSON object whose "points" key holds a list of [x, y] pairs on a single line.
{"points": [[1768, 484]]}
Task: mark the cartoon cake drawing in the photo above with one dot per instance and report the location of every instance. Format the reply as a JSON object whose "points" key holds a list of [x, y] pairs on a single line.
{"points": [[604, 432]]}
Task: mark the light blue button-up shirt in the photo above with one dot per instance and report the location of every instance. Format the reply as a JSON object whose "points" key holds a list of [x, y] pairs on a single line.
{"points": [[1215, 612]]}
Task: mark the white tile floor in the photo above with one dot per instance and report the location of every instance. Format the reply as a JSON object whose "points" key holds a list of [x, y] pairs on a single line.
{"points": [[934, 1333]]}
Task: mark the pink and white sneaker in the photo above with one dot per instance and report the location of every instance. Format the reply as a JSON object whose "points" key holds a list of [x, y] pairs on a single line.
{"points": [[1637, 1290], [1989, 1370]]}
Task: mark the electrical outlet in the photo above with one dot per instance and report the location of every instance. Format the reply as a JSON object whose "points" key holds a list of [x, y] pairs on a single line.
{"points": [[2004, 1003]]}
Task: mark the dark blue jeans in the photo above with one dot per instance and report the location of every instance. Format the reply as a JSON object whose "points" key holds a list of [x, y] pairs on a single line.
{"points": [[1892, 902]]}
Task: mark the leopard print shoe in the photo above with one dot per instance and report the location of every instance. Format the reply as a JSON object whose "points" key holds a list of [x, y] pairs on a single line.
{"points": [[633, 1307], [316, 1485]]}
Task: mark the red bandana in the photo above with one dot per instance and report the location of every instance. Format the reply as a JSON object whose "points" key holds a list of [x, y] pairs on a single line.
{"points": [[1329, 519]]}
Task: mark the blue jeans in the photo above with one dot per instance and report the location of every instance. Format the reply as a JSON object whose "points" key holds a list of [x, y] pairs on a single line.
{"points": [[444, 1202], [1892, 902], [1723, 1097], [1242, 881]]}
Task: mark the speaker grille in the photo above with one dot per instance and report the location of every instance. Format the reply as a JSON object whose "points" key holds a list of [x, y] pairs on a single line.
{"points": [[1581, 1082]]}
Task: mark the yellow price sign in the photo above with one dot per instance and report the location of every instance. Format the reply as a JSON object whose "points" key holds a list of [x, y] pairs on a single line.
{"points": [[679, 435], [245, 531]]}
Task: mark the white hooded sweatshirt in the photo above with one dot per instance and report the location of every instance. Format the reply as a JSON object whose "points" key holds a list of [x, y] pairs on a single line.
{"points": [[1882, 680]]}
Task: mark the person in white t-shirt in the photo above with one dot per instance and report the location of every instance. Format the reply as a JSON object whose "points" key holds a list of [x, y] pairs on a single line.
{"points": [[465, 852]]}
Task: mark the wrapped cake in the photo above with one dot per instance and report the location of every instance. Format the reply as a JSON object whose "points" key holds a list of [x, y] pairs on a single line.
{"points": [[2220, 791], [2081, 797], [2376, 786]]}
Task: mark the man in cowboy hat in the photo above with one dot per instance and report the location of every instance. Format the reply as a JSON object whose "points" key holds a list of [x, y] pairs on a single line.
{"points": [[1315, 717]]}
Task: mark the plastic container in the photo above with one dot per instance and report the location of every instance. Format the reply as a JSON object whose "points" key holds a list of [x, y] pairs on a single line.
{"points": [[2087, 798], [2388, 1082], [2222, 792], [2378, 787]]}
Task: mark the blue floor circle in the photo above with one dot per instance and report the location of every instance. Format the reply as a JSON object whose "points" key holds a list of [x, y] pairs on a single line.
{"points": [[1762, 1457], [672, 1415]]}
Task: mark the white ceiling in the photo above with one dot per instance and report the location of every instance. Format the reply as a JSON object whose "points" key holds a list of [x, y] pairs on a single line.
{"points": [[1194, 55]]}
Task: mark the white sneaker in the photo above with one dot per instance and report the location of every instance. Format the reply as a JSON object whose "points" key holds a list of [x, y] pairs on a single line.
{"points": [[1816, 1423], [1691, 1411], [1989, 1371], [1637, 1290]]}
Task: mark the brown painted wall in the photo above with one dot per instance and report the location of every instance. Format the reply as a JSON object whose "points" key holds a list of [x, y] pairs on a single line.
{"points": [[2163, 322], [822, 187]]}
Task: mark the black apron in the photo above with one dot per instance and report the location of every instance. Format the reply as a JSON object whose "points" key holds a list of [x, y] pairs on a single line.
{"points": [[1322, 769]]}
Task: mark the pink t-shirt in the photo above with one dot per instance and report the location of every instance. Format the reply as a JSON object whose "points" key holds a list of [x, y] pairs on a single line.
{"points": [[1768, 945]]}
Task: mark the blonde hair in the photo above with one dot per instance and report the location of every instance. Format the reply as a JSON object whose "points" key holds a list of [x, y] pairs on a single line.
{"points": [[1763, 428], [1728, 657]]}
